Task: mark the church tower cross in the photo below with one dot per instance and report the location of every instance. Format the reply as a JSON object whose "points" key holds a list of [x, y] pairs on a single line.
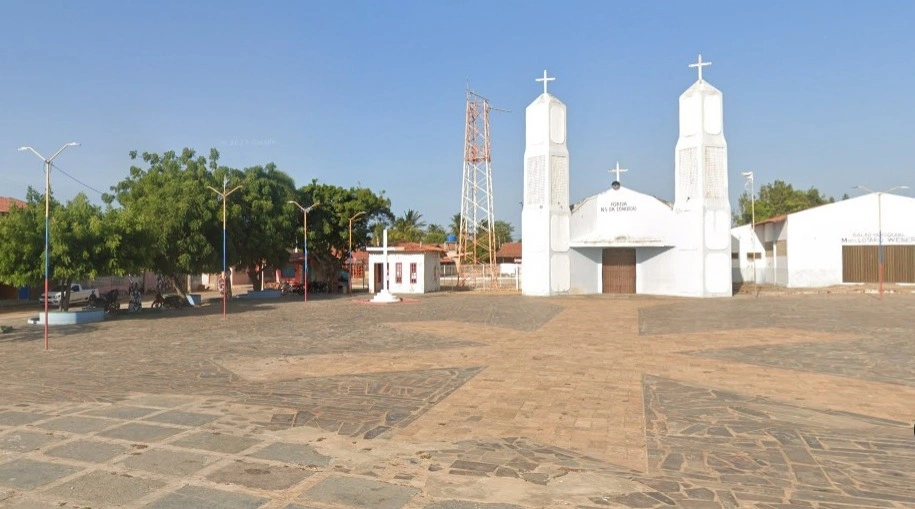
{"points": [[700, 64], [545, 80], [617, 170]]}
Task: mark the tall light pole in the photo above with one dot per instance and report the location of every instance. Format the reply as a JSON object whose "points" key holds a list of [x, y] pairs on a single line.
{"points": [[225, 278], [749, 176], [880, 265], [47, 225], [305, 211], [349, 252]]}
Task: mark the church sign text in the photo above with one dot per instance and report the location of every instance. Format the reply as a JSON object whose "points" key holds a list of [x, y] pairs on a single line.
{"points": [[861, 238], [619, 206]]}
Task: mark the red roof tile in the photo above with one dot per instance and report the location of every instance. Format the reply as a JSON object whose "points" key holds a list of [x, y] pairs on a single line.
{"points": [[509, 250], [6, 203]]}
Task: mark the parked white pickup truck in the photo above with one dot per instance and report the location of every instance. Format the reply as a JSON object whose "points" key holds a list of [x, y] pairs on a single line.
{"points": [[78, 294]]}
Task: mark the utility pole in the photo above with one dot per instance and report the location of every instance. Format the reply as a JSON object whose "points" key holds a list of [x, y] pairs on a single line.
{"points": [[225, 278]]}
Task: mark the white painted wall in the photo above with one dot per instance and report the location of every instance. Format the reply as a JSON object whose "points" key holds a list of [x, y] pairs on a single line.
{"points": [[621, 218], [816, 236], [701, 191], [427, 277], [545, 208], [657, 272], [586, 265]]}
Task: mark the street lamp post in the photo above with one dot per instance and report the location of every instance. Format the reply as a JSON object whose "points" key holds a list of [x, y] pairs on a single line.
{"points": [[749, 176], [880, 264], [305, 211], [349, 252], [225, 278], [47, 225]]}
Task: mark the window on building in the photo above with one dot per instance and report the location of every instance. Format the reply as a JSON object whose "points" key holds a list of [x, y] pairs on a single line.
{"points": [[398, 273], [412, 273]]}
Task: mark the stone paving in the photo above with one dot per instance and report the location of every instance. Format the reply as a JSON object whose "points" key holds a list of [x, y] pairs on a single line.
{"points": [[467, 401]]}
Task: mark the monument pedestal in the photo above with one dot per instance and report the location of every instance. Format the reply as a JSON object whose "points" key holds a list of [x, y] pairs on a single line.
{"points": [[385, 297]]}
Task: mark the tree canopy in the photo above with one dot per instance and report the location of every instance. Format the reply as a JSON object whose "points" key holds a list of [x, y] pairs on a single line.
{"points": [[329, 222], [83, 243], [776, 199], [169, 212]]}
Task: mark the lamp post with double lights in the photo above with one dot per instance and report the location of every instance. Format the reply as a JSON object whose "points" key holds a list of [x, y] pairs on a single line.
{"points": [[880, 264], [225, 277], [349, 279], [305, 211], [749, 176], [47, 225]]}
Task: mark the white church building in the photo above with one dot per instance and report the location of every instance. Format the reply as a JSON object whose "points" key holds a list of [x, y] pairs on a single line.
{"points": [[621, 240]]}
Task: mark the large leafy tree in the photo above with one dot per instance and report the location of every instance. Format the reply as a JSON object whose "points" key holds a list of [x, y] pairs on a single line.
{"points": [[328, 224], [22, 241], [260, 228], [84, 243], [169, 215], [776, 199]]}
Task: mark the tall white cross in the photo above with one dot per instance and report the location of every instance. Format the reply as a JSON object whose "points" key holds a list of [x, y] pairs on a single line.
{"points": [[700, 64], [617, 170], [545, 80]]}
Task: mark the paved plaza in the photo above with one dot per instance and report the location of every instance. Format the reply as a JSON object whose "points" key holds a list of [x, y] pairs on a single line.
{"points": [[467, 401]]}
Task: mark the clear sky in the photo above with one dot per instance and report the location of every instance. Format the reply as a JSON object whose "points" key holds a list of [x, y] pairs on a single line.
{"points": [[816, 93]]}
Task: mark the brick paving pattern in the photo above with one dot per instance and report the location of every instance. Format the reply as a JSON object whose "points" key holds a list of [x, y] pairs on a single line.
{"points": [[467, 401]]}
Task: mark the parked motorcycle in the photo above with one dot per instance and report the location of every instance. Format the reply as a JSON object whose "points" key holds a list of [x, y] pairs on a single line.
{"points": [[108, 301], [297, 288]]}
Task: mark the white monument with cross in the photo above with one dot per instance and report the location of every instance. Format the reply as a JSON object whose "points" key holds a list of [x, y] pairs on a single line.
{"points": [[545, 210], [701, 189], [621, 240]]}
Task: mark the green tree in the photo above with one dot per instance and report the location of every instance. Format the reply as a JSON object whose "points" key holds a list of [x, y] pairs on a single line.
{"points": [[435, 234], [22, 238], [85, 244], [260, 225], [328, 224], [83, 241], [171, 215], [776, 199], [504, 233], [408, 228]]}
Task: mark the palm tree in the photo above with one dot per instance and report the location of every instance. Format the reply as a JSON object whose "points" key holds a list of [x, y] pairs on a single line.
{"points": [[409, 227]]}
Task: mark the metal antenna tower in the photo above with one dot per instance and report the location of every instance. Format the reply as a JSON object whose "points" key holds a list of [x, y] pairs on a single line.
{"points": [[477, 236]]}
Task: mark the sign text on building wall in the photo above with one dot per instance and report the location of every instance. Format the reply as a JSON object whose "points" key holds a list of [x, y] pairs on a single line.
{"points": [[874, 238], [619, 206]]}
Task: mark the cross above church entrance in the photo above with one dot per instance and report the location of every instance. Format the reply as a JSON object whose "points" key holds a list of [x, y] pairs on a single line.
{"points": [[617, 170], [545, 80]]}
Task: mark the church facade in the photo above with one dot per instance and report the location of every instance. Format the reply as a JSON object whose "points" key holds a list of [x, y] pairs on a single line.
{"points": [[621, 240]]}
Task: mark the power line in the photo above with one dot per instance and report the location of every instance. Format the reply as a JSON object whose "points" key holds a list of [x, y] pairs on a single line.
{"points": [[80, 182]]}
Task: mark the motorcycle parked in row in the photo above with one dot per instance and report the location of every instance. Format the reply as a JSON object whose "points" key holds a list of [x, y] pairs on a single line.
{"points": [[108, 301]]}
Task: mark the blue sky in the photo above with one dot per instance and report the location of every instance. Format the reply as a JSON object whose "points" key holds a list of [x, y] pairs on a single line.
{"points": [[366, 93]]}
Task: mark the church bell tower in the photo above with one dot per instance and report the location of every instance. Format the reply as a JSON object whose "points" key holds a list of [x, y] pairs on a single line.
{"points": [[701, 192], [545, 215]]}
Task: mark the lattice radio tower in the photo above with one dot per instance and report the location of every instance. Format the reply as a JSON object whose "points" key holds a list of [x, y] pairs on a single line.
{"points": [[477, 236]]}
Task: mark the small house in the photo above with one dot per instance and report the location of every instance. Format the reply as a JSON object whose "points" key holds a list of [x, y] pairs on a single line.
{"points": [[412, 268]]}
